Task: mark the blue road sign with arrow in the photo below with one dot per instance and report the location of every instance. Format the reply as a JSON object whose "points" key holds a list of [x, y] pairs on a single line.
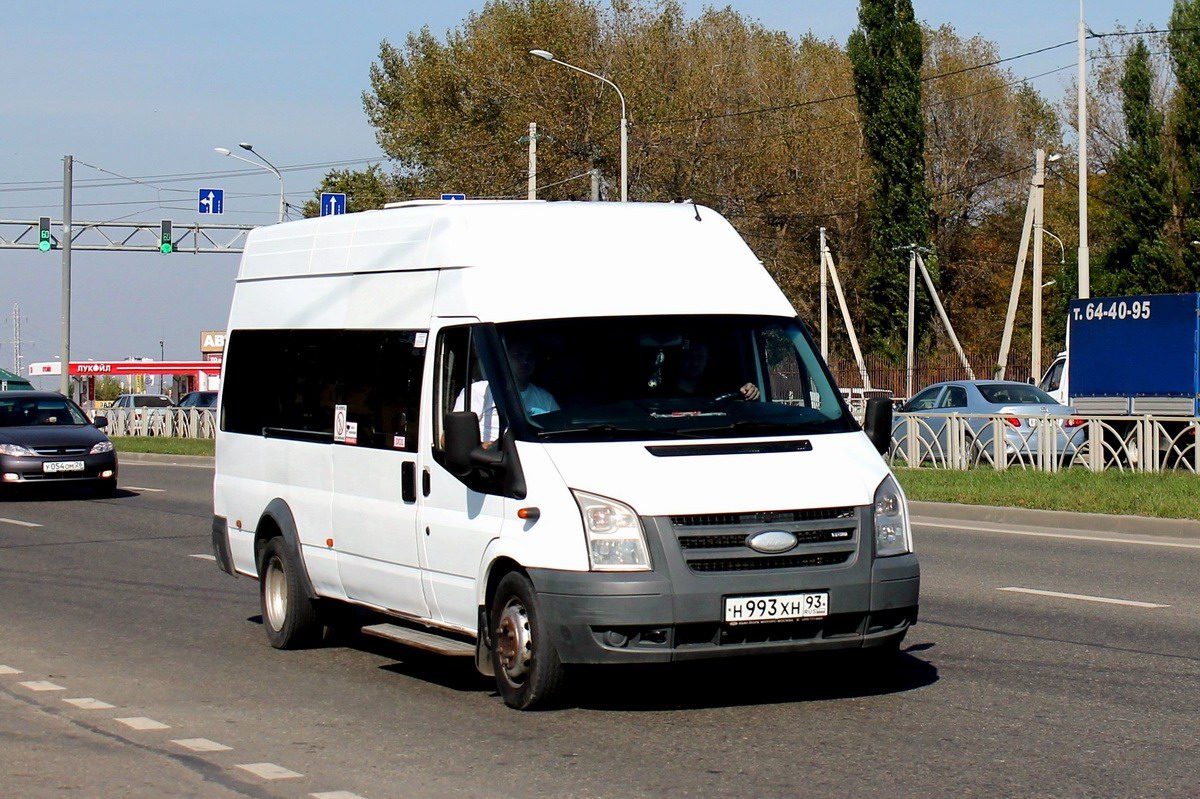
{"points": [[332, 203], [212, 201]]}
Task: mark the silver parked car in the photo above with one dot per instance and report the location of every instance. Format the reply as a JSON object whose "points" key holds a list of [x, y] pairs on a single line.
{"points": [[979, 401]]}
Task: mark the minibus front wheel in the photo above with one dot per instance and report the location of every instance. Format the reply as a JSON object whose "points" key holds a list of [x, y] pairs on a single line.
{"points": [[528, 670], [289, 616]]}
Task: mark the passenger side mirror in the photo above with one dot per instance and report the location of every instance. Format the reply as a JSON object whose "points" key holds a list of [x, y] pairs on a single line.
{"points": [[100, 422], [464, 451], [877, 423]]}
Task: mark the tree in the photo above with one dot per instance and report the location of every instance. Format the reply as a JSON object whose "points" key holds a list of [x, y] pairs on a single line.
{"points": [[1138, 260], [886, 54], [1184, 44], [108, 388], [370, 188]]}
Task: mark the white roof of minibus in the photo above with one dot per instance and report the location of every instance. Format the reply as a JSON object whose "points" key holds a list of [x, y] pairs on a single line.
{"points": [[504, 260]]}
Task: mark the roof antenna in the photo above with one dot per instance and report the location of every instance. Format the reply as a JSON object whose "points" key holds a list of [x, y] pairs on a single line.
{"points": [[694, 208]]}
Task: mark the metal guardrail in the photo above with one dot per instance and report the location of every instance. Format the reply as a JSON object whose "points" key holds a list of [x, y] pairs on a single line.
{"points": [[1046, 443], [941, 441], [178, 422]]}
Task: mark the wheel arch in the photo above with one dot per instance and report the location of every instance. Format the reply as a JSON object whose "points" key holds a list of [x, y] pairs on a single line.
{"points": [[277, 520]]}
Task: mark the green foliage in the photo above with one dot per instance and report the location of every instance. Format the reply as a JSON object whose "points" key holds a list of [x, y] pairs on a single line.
{"points": [[1138, 259], [886, 53], [108, 388], [1184, 44], [165, 445], [364, 190]]}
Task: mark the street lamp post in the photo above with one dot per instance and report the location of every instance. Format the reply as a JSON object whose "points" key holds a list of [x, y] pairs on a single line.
{"points": [[548, 56], [268, 166]]}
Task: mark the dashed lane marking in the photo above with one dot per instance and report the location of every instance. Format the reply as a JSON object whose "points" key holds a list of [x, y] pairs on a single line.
{"points": [[204, 557], [42, 685], [202, 745], [269, 771], [143, 723], [18, 522], [335, 795], [142, 488], [87, 703], [1084, 597], [9, 670]]}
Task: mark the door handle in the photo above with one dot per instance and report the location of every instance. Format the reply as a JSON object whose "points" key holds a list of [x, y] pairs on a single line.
{"points": [[425, 482]]}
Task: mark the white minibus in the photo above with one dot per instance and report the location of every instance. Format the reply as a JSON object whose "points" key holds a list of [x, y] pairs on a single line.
{"points": [[544, 434]]}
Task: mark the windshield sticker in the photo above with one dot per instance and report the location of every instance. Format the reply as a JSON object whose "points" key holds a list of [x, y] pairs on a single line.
{"points": [[398, 442], [351, 432], [339, 423], [419, 340]]}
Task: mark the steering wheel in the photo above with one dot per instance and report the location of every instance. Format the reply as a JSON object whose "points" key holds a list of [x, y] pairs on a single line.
{"points": [[731, 395]]}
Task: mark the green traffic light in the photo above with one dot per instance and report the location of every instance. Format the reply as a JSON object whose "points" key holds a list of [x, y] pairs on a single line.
{"points": [[44, 245], [166, 248]]}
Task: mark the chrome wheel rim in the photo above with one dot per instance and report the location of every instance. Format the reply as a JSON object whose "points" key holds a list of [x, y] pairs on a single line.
{"points": [[275, 593], [514, 644]]}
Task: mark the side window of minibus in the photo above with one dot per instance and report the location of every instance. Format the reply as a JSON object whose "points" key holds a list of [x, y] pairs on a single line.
{"points": [[460, 386]]}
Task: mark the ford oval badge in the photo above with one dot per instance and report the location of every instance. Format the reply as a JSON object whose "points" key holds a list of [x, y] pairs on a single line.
{"points": [[772, 541]]}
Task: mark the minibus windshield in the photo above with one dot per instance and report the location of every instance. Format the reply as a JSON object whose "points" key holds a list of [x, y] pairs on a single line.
{"points": [[669, 377]]}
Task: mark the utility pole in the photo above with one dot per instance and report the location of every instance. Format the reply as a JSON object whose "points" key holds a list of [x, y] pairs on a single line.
{"points": [[828, 268], [914, 261], [1039, 182], [1085, 289], [64, 380], [533, 160], [824, 303], [912, 318], [16, 339], [595, 184]]}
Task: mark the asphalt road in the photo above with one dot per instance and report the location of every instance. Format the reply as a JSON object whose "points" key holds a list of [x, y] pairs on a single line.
{"points": [[127, 658]]}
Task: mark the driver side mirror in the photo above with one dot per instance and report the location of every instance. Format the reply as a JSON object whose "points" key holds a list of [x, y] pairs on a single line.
{"points": [[100, 422], [464, 451], [877, 423]]}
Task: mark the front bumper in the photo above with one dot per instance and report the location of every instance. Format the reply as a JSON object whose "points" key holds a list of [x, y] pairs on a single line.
{"points": [[30, 469], [675, 613]]}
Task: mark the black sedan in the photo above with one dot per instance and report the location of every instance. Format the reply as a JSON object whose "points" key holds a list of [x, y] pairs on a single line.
{"points": [[45, 439]]}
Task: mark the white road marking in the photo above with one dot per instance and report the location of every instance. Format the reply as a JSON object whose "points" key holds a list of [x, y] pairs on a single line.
{"points": [[204, 557], [143, 723], [87, 703], [18, 522], [42, 685], [202, 745], [141, 488], [335, 795], [269, 771], [1084, 597], [9, 670], [1101, 539]]}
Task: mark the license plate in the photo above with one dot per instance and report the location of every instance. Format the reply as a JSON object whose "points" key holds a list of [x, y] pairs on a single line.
{"points": [[776, 607], [51, 467]]}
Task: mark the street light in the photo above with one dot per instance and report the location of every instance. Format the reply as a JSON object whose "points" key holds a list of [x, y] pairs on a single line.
{"points": [[548, 56], [269, 167]]}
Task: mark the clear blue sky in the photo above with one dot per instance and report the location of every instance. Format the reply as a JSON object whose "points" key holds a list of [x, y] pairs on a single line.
{"points": [[148, 89]]}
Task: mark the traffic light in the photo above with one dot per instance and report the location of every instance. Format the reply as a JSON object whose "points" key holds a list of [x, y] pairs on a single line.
{"points": [[44, 240], [165, 244]]}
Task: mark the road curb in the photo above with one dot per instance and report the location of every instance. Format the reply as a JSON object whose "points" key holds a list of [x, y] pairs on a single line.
{"points": [[175, 460], [1090, 522]]}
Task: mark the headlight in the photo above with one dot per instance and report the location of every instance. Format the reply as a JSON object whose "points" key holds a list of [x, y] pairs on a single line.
{"points": [[614, 534], [103, 446], [892, 536], [15, 449]]}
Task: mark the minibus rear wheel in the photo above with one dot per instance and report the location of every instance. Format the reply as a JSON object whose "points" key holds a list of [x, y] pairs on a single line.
{"points": [[289, 616], [528, 671]]}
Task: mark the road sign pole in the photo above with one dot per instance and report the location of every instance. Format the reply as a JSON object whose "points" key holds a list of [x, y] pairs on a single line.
{"points": [[64, 380]]}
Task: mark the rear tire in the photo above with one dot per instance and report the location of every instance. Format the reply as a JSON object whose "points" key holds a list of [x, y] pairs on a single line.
{"points": [[528, 670], [289, 616]]}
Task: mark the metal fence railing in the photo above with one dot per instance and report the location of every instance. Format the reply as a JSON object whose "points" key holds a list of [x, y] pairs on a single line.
{"points": [[179, 422], [1045, 443]]}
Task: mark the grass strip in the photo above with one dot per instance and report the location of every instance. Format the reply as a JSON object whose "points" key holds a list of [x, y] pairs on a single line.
{"points": [[1165, 495], [165, 445]]}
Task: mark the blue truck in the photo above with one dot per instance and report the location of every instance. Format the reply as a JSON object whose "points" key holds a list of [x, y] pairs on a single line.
{"points": [[1133, 357]]}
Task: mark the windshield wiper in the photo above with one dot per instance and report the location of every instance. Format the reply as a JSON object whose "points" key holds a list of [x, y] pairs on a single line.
{"points": [[756, 426]]}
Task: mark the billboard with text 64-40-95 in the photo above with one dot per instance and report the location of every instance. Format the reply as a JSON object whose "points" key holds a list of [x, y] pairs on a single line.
{"points": [[1146, 345]]}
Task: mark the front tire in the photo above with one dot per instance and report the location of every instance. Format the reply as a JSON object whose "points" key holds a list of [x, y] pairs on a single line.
{"points": [[528, 670], [289, 615]]}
